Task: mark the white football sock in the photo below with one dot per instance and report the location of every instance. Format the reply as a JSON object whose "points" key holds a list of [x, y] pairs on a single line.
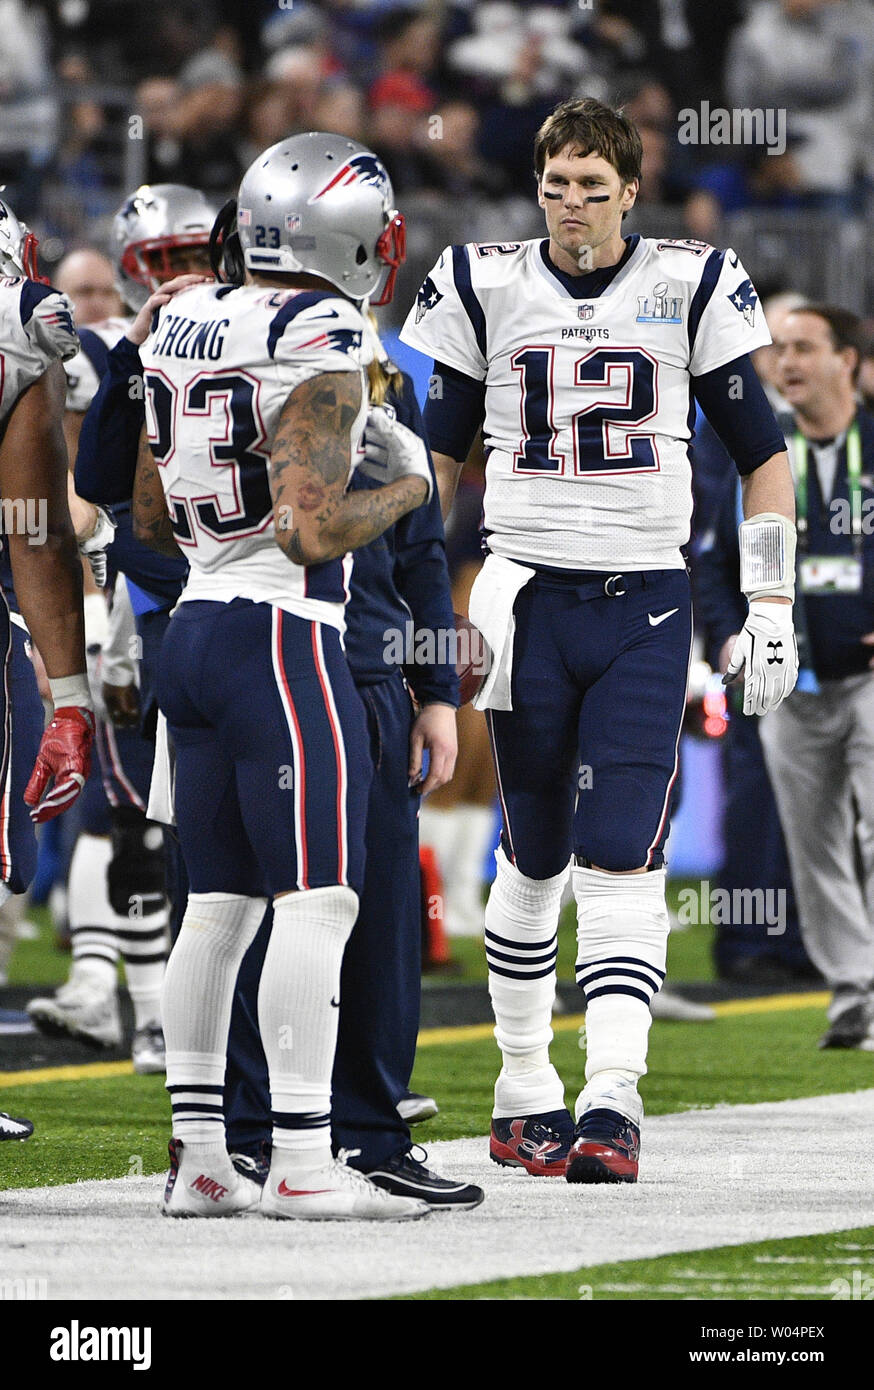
{"points": [[298, 1013], [622, 940], [144, 944], [216, 932], [93, 924], [521, 946]]}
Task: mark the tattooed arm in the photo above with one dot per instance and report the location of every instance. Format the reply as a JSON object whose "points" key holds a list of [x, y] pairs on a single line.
{"points": [[316, 519], [151, 520]]}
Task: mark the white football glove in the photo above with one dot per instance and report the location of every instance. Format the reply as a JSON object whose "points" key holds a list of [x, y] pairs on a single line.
{"points": [[766, 648], [391, 450], [94, 548]]}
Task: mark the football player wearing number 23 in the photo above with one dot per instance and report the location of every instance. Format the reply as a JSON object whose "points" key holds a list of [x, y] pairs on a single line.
{"points": [[581, 355]]}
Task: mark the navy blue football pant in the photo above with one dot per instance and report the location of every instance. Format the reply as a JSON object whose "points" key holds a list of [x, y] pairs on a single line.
{"points": [[272, 772], [586, 759], [381, 978], [21, 719]]}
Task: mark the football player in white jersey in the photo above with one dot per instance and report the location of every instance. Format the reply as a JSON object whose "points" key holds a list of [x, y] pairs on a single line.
{"points": [[256, 401], [579, 354], [117, 864], [36, 335]]}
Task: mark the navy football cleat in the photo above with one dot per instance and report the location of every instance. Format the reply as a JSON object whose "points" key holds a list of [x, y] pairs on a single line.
{"points": [[538, 1143], [406, 1176], [606, 1148]]}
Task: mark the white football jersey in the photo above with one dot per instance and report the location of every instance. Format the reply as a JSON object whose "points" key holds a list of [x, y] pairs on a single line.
{"points": [[36, 329], [219, 367], [85, 370], [588, 410]]}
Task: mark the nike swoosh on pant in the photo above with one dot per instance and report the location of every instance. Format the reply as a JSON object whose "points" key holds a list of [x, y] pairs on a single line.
{"points": [[654, 622]]}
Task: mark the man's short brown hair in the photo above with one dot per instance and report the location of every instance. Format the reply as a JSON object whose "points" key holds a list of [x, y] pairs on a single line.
{"points": [[592, 128]]}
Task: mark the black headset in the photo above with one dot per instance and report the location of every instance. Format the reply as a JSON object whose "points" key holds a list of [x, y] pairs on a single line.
{"points": [[225, 251]]}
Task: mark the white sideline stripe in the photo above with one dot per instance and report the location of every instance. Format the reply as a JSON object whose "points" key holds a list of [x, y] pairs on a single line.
{"points": [[708, 1178]]}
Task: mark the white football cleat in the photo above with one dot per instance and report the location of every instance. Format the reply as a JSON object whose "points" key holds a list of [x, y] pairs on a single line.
{"points": [[198, 1186], [147, 1050], [335, 1193], [84, 1008]]}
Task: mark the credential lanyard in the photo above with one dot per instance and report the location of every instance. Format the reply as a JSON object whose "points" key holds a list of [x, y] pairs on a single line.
{"points": [[854, 483]]}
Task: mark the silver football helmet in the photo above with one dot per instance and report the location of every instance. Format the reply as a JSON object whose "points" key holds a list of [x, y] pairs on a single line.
{"points": [[322, 204], [17, 245], [156, 219]]}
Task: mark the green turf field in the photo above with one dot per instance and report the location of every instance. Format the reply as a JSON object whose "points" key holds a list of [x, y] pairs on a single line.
{"points": [[818, 1268]]}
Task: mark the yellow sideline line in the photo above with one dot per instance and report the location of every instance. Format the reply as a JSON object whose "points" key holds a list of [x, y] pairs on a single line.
{"points": [[88, 1071], [434, 1037]]}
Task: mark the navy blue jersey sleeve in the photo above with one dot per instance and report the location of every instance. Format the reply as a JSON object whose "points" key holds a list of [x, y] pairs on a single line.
{"points": [[455, 412], [720, 607], [734, 401], [109, 439], [421, 575]]}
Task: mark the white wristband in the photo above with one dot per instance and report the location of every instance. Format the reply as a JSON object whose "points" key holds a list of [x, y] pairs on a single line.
{"points": [[767, 556], [71, 690]]}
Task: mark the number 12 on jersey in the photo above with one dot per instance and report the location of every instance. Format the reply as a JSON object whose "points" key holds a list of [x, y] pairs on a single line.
{"points": [[604, 399]]}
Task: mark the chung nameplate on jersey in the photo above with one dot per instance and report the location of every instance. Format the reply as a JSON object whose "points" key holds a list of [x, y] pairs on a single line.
{"points": [[182, 337]]}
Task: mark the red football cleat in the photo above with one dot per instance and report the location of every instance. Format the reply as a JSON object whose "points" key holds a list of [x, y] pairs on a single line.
{"points": [[606, 1148], [538, 1143]]}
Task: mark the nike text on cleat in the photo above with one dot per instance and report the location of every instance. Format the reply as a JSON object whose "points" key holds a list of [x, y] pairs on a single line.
{"points": [[82, 1008], [203, 1187], [14, 1129], [406, 1176], [336, 1193], [606, 1148], [654, 622], [538, 1143]]}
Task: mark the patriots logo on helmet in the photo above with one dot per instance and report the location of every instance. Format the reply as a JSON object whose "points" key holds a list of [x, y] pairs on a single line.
{"points": [[361, 168], [745, 299], [427, 298]]}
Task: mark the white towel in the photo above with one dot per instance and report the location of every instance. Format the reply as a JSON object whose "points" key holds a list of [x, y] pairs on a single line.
{"points": [[163, 785], [491, 610]]}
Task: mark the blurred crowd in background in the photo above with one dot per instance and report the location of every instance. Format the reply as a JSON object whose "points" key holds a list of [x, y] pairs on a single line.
{"points": [[97, 96]]}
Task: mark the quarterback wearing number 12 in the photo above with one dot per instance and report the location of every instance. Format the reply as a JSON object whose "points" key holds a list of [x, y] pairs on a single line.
{"points": [[581, 355]]}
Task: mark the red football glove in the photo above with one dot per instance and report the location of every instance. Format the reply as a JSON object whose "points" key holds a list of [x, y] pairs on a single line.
{"points": [[65, 755]]}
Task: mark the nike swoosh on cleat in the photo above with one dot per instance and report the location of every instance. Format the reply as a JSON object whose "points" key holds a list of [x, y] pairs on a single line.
{"points": [[654, 622], [284, 1191]]}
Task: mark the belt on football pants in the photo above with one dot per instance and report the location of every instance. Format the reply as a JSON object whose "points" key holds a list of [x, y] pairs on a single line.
{"points": [[588, 584]]}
